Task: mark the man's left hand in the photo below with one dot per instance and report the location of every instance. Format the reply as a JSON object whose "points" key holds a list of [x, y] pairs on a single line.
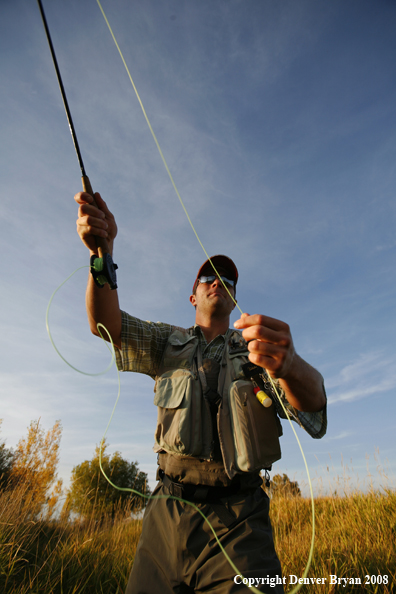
{"points": [[269, 341]]}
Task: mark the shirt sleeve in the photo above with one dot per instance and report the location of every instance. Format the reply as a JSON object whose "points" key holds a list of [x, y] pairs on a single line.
{"points": [[314, 423], [142, 345]]}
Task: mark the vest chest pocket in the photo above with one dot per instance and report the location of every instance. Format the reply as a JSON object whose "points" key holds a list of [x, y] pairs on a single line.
{"points": [[255, 429], [179, 424]]}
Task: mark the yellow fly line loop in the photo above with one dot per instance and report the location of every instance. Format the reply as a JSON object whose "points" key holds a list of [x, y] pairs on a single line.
{"points": [[160, 151]]}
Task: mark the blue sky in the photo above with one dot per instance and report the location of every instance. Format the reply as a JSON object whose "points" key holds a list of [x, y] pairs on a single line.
{"points": [[278, 122]]}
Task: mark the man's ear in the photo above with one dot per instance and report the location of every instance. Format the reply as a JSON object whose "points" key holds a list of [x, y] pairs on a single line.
{"points": [[193, 300]]}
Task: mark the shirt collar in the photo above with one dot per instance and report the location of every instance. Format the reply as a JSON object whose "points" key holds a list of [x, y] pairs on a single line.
{"points": [[198, 332]]}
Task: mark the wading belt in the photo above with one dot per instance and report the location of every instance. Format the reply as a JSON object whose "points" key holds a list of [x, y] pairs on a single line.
{"points": [[203, 494]]}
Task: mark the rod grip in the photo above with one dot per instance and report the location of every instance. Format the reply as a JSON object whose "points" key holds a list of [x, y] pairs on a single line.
{"points": [[101, 242]]}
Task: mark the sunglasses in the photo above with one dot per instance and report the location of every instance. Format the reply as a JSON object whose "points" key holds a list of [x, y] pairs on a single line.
{"points": [[210, 279]]}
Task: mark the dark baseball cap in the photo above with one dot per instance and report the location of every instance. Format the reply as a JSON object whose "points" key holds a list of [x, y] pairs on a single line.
{"points": [[219, 261]]}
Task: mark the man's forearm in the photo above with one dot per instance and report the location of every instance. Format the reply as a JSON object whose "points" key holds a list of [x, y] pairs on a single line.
{"points": [[303, 386], [95, 220], [103, 306]]}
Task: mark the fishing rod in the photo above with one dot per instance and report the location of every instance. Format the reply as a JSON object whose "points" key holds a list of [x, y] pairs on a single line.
{"points": [[102, 268]]}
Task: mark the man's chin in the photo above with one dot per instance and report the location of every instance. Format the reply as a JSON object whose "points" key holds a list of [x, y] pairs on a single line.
{"points": [[221, 308]]}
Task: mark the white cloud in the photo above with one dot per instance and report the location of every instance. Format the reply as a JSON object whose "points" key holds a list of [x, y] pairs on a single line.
{"points": [[371, 374], [340, 436]]}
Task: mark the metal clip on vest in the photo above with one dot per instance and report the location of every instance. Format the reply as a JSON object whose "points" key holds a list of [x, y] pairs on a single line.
{"points": [[253, 372]]}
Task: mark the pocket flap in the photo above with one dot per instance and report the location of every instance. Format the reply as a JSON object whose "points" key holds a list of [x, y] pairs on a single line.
{"points": [[170, 391]]}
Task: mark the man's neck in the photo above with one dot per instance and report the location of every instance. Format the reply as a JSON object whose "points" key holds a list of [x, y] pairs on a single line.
{"points": [[212, 327]]}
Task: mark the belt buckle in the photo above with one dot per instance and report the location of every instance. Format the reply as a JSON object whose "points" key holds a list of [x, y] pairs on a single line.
{"points": [[176, 490]]}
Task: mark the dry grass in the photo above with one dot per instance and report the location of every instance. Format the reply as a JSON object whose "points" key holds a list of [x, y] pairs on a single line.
{"points": [[355, 537], [355, 530], [63, 557]]}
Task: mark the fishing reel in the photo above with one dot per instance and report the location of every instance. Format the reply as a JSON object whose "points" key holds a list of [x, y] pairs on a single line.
{"points": [[103, 271]]}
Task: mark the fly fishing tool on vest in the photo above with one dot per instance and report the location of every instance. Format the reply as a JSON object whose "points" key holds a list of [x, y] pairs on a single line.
{"points": [[255, 374], [102, 268]]}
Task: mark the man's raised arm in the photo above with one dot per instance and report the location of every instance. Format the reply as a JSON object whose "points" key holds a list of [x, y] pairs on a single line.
{"points": [[101, 303]]}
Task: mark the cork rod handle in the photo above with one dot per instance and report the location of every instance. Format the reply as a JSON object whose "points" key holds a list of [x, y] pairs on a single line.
{"points": [[101, 242]]}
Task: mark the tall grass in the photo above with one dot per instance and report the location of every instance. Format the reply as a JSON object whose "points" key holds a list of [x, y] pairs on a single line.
{"points": [[355, 537], [355, 526], [63, 556]]}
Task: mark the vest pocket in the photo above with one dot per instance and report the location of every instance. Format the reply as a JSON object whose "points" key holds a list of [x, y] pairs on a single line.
{"points": [[255, 430], [179, 425]]}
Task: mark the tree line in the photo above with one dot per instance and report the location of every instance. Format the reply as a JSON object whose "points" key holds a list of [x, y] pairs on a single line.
{"points": [[33, 466]]}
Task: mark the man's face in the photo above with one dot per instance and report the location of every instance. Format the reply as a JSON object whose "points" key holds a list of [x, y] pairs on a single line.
{"points": [[212, 297]]}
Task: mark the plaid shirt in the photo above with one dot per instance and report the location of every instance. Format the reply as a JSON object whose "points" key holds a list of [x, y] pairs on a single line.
{"points": [[142, 347]]}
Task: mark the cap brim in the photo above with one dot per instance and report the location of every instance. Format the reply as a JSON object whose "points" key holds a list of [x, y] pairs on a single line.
{"points": [[218, 261]]}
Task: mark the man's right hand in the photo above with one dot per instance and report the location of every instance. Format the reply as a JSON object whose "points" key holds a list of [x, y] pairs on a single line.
{"points": [[94, 221]]}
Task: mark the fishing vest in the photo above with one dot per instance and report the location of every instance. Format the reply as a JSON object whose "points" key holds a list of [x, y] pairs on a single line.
{"points": [[248, 433]]}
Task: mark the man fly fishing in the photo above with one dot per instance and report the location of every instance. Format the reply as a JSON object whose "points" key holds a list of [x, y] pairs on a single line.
{"points": [[213, 436]]}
